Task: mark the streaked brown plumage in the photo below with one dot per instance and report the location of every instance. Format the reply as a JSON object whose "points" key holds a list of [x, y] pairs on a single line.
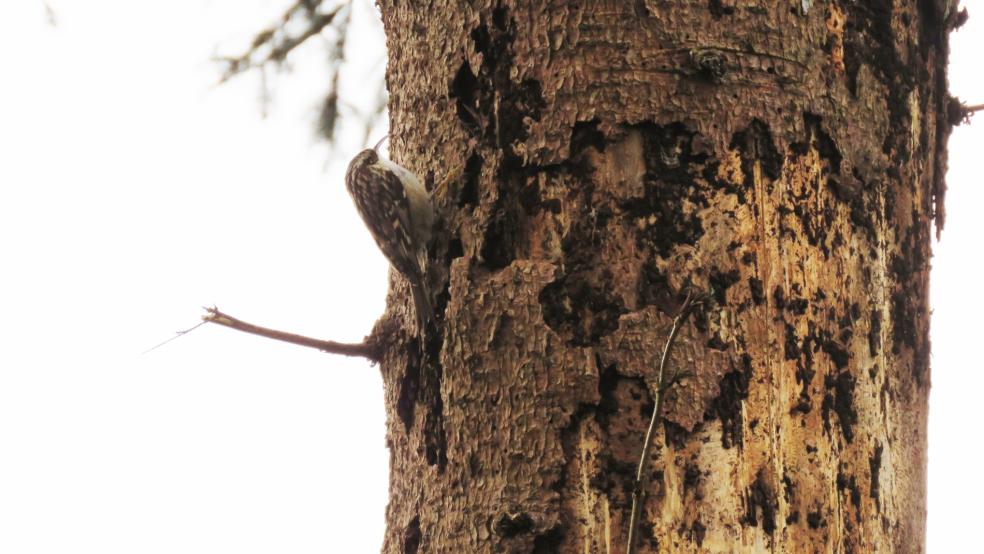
{"points": [[397, 210]]}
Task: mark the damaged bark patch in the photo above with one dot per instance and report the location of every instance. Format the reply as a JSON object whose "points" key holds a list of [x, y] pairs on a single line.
{"points": [[435, 439], [409, 385], [822, 141], [697, 532], [839, 398], [472, 175], [520, 107], [727, 405], [549, 542], [631, 350], [672, 193], [761, 499], [654, 288], [623, 414], [756, 290], [874, 465], [691, 479], [903, 320], [757, 148], [718, 9], [721, 282], [429, 395], [874, 333], [510, 525], [815, 520], [585, 135], [465, 90], [578, 311], [509, 107], [847, 484], [505, 224], [791, 345]]}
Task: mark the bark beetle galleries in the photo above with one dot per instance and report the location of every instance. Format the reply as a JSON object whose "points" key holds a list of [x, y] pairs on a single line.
{"points": [[615, 153]]}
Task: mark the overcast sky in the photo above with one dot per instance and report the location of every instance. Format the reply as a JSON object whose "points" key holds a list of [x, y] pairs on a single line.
{"points": [[133, 191]]}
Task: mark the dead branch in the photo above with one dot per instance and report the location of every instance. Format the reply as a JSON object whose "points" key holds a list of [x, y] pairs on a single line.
{"points": [[364, 349]]}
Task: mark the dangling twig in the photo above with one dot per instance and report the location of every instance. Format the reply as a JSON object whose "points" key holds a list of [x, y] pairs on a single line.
{"points": [[177, 335], [662, 385], [363, 349]]}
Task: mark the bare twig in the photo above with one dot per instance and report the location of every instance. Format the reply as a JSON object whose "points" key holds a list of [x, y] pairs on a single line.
{"points": [[362, 349], [177, 335], [662, 384]]}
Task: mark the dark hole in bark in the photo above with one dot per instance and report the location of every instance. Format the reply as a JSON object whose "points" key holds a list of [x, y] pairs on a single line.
{"points": [[483, 42], [465, 89], [814, 520], [497, 249], [756, 145], [511, 525], [412, 536], [435, 437], [455, 250], [549, 542], [584, 135], [472, 173], [407, 400], [718, 9]]}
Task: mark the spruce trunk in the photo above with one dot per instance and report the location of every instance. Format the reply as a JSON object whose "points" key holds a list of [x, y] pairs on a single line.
{"points": [[593, 162]]}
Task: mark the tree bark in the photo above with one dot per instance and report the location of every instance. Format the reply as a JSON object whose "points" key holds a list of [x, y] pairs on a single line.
{"points": [[603, 159]]}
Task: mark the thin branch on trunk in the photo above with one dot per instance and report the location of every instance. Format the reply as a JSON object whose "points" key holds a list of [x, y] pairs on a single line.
{"points": [[363, 349], [662, 384]]}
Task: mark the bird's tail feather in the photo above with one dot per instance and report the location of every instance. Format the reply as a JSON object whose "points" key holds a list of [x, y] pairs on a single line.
{"points": [[422, 305]]}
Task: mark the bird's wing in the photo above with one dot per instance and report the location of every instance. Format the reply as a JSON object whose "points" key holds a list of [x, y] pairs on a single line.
{"points": [[387, 214]]}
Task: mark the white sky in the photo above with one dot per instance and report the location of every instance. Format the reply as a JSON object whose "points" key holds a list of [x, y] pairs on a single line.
{"points": [[133, 191]]}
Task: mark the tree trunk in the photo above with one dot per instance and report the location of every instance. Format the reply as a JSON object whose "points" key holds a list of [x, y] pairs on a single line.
{"points": [[602, 159]]}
